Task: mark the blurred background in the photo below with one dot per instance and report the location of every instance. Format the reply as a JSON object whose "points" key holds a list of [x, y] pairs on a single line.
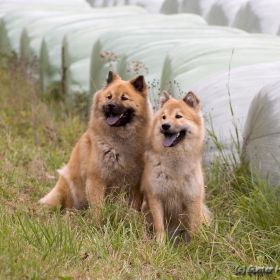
{"points": [[227, 51]]}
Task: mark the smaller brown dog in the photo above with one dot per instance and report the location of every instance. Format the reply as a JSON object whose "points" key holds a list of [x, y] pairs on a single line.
{"points": [[172, 181]]}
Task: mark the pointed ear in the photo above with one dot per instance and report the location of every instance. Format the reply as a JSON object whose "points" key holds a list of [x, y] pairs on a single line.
{"points": [[112, 77], [192, 100], [164, 97], [139, 84]]}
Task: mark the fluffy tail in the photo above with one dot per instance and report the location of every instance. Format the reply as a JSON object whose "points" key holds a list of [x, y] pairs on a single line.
{"points": [[57, 196]]}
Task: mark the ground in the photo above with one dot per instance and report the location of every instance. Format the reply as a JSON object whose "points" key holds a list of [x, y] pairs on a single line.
{"points": [[36, 137]]}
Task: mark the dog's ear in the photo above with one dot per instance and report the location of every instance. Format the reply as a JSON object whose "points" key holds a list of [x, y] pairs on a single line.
{"points": [[191, 100], [164, 98], [112, 77], [139, 84]]}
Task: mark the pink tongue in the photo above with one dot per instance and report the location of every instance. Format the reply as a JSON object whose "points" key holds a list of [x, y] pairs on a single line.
{"points": [[169, 140], [112, 120]]}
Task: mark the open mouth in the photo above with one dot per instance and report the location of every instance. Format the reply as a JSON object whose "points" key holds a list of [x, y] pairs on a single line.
{"points": [[119, 119], [172, 139]]}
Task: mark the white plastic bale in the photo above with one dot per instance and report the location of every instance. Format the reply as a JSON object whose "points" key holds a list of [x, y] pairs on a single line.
{"points": [[201, 7], [51, 50], [246, 19], [122, 44], [77, 82], [206, 57], [103, 3], [85, 38], [223, 12], [133, 61], [219, 62], [55, 50], [138, 27], [259, 16], [170, 7], [268, 14], [125, 45], [16, 20], [38, 22], [9, 6], [32, 36], [119, 45], [151, 6], [147, 61], [262, 134], [46, 3], [236, 88], [147, 58], [14, 23], [250, 15], [95, 3]]}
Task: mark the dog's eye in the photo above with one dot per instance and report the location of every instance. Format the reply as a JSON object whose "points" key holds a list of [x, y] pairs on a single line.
{"points": [[124, 97], [109, 96], [164, 117], [178, 116]]}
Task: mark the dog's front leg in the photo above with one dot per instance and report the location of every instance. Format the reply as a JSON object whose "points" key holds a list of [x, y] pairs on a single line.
{"points": [[95, 192], [157, 211], [136, 198], [195, 216]]}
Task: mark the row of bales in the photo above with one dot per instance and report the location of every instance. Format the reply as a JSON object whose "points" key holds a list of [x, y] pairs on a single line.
{"points": [[236, 74], [250, 15]]}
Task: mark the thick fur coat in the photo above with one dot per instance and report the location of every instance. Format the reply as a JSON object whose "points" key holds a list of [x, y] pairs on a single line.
{"points": [[108, 158], [172, 181]]}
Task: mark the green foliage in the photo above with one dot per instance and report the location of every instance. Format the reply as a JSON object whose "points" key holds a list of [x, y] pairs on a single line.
{"points": [[36, 137]]}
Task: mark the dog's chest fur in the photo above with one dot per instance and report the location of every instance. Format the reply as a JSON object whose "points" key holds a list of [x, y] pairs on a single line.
{"points": [[175, 181], [120, 163]]}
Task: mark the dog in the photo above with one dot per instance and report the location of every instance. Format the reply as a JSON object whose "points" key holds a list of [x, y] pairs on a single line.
{"points": [[108, 158], [172, 180]]}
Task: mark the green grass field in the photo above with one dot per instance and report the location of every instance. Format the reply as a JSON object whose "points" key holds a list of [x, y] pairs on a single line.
{"points": [[36, 137]]}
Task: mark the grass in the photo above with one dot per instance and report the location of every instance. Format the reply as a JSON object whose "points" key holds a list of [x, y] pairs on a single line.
{"points": [[36, 137]]}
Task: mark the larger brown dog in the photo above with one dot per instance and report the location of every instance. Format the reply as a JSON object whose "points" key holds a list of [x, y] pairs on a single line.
{"points": [[108, 157]]}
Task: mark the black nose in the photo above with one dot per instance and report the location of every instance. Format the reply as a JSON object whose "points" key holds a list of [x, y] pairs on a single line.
{"points": [[111, 106], [166, 126]]}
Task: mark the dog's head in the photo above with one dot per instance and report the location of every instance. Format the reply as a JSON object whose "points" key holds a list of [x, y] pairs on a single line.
{"points": [[179, 122], [121, 103]]}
